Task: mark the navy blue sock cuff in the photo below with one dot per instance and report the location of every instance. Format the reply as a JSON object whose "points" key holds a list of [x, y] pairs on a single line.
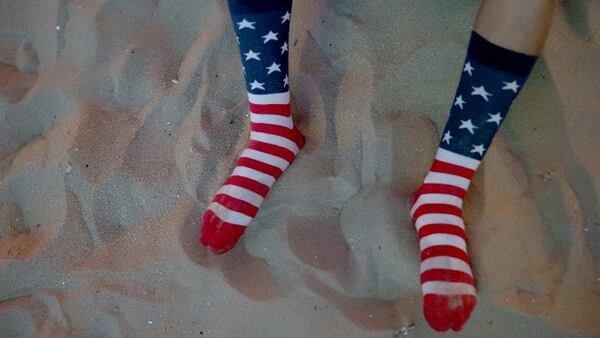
{"points": [[499, 58], [258, 6]]}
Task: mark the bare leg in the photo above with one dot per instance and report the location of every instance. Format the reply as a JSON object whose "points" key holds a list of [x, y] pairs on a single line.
{"points": [[508, 36], [519, 25]]}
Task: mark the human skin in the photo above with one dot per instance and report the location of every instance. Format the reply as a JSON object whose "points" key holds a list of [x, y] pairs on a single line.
{"points": [[518, 25]]}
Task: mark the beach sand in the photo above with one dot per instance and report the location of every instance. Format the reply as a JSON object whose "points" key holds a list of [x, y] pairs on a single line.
{"points": [[120, 119]]}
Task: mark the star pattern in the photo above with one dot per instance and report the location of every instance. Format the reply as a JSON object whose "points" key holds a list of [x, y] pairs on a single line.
{"points": [[263, 41], [468, 68], [482, 100], [511, 86], [478, 149], [468, 125], [459, 101], [481, 92], [252, 55], [270, 37], [274, 67], [447, 137], [257, 85], [495, 118], [245, 24]]}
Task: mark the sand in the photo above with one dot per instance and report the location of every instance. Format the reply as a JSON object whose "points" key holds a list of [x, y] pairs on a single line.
{"points": [[120, 119]]}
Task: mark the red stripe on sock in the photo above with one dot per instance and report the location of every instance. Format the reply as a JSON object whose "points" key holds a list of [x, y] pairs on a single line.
{"points": [[450, 229], [453, 169], [249, 184], [446, 275], [259, 166], [291, 134], [445, 250], [272, 149], [436, 209], [433, 188], [235, 204], [272, 109], [300, 139]]}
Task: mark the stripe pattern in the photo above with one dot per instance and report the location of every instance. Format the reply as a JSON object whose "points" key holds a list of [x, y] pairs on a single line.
{"points": [[273, 146], [436, 212]]}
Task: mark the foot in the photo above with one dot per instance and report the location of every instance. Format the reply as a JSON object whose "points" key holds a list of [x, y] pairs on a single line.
{"points": [[274, 143], [446, 278]]}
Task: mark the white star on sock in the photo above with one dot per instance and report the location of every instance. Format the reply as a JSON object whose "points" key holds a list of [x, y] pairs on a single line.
{"points": [[511, 86], [285, 17], [257, 85], [459, 101], [478, 149], [495, 118], [274, 67], [447, 137], [269, 36], [252, 55], [286, 82], [284, 47], [468, 68], [468, 125], [245, 24], [481, 92]]}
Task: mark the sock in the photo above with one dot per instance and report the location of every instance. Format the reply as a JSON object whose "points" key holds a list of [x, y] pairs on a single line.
{"points": [[261, 29], [491, 79]]}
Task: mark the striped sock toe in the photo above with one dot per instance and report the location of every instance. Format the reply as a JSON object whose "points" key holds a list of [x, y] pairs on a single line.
{"points": [[273, 146], [445, 312]]}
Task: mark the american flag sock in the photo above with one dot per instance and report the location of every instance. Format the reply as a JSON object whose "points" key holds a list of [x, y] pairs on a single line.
{"points": [[261, 29], [491, 79]]}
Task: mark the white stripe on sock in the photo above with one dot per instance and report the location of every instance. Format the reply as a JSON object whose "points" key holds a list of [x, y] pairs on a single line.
{"points": [[273, 160], [241, 194], [439, 219], [252, 174], [447, 263], [275, 140], [275, 98], [443, 239], [447, 288], [436, 199], [278, 120], [457, 159], [229, 216], [442, 178]]}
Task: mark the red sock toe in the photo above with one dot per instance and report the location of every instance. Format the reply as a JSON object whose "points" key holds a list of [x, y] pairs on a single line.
{"points": [[448, 312], [207, 229], [217, 235]]}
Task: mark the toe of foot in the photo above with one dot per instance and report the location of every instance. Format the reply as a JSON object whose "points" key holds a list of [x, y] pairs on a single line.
{"points": [[218, 236], [448, 312]]}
